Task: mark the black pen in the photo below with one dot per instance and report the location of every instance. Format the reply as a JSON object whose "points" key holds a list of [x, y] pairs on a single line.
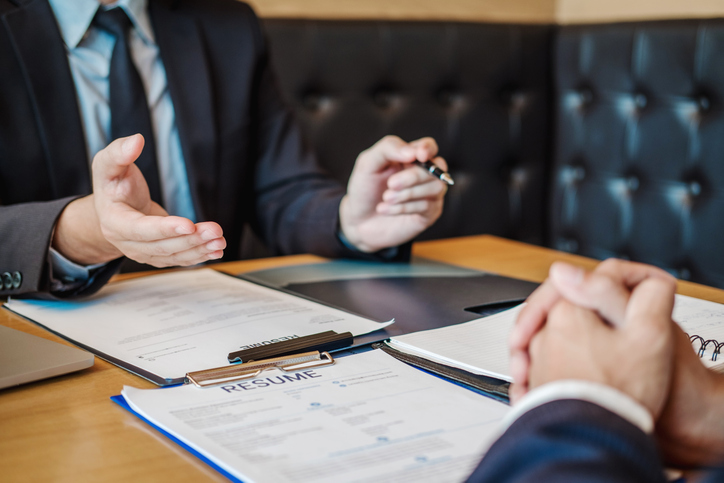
{"points": [[435, 171]]}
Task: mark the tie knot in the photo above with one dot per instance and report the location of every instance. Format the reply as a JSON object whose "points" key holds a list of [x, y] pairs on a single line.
{"points": [[114, 21]]}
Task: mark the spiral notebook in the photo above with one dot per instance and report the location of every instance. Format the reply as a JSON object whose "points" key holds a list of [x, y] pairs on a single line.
{"points": [[703, 322], [480, 347]]}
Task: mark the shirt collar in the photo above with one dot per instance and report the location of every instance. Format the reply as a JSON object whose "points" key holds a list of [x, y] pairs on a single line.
{"points": [[75, 16]]}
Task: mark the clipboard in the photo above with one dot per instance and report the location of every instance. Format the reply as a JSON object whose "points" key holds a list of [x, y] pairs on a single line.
{"points": [[288, 356], [162, 326], [250, 370], [280, 356]]}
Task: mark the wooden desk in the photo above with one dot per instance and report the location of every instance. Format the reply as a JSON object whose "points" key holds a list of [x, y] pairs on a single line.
{"points": [[67, 429]]}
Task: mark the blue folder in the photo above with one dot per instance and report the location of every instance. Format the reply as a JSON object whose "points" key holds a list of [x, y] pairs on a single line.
{"points": [[122, 402]]}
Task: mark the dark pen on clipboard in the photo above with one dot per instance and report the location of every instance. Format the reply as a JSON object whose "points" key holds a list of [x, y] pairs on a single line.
{"points": [[435, 171]]}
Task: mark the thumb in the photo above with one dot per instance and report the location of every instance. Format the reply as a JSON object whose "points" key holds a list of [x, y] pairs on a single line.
{"points": [[592, 290], [426, 149], [389, 148], [113, 161], [650, 330]]}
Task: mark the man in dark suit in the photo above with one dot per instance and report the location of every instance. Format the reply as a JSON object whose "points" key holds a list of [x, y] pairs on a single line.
{"points": [[228, 151], [606, 384]]}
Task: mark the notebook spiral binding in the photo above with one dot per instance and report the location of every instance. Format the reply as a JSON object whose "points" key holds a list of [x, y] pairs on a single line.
{"points": [[703, 344]]}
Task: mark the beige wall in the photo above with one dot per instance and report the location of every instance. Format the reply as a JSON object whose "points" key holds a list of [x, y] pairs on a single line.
{"points": [[524, 11]]}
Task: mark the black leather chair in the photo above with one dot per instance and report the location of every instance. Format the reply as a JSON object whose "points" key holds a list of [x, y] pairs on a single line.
{"points": [[639, 145], [604, 140]]}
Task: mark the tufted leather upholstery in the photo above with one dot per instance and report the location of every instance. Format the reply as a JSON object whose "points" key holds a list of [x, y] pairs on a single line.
{"points": [[631, 166], [639, 157], [480, 90]]}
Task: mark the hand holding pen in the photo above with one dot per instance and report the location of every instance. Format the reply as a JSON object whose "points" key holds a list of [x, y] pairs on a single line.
{"points": [[435, 171], [389, 200]]}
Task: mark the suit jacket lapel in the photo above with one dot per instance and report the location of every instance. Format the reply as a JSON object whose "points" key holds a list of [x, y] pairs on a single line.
{"points": [[40, 49], [181, 47]]}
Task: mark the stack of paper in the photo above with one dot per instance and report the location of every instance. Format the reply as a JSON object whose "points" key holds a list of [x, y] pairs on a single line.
{"points": [[479, 346]]}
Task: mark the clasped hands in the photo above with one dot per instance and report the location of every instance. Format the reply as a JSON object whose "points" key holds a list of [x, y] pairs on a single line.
{"points": [[613, 326], [389, 201]]}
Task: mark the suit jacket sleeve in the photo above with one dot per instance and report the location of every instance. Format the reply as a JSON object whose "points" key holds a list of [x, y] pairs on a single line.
{"points": [[571, 440], [297, 202], [26, 230]]}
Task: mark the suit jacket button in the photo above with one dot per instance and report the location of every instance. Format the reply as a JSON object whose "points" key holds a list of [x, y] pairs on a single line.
{"points": [[17, 280], [7, 280]]}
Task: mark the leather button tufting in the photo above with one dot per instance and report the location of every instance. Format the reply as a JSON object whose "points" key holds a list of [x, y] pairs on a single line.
{"points": [[704, 103], [567, 245], [586, 96], [519, 177], [640, 100], [632, 183], [580, 99], [514, 98], [518, 102], [385, 98], [313, 100], [449, 97], [683, 273], [572, 174]]}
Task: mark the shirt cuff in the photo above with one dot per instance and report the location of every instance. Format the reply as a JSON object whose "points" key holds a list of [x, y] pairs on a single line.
{"points": [[600, 394], [67, 275], [385, 254]]}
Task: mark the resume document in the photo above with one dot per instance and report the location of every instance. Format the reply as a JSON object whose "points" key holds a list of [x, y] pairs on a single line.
{"points": [[368, 418]]}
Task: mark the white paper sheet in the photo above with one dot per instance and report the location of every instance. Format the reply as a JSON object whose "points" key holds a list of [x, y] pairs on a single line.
{"points": [[705, 319], [479, 346], [185, 321], [368, 418]]}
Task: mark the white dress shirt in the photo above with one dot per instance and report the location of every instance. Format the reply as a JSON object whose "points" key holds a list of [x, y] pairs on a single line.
{"points": [[89, 52]]}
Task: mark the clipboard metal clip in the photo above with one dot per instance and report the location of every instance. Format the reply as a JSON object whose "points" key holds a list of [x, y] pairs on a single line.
{"points": [[250, 370]]}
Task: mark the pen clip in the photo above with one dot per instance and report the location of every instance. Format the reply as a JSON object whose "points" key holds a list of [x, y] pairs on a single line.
{"points": [[250, 370]]}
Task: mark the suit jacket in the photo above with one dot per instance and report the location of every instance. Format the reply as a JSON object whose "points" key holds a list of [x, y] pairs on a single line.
{"points": [[244, 155], [573, 441]]}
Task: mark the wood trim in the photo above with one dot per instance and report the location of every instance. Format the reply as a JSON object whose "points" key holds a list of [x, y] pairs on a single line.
{"points": [[596, 11], [498, 11], [501, 11]]}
